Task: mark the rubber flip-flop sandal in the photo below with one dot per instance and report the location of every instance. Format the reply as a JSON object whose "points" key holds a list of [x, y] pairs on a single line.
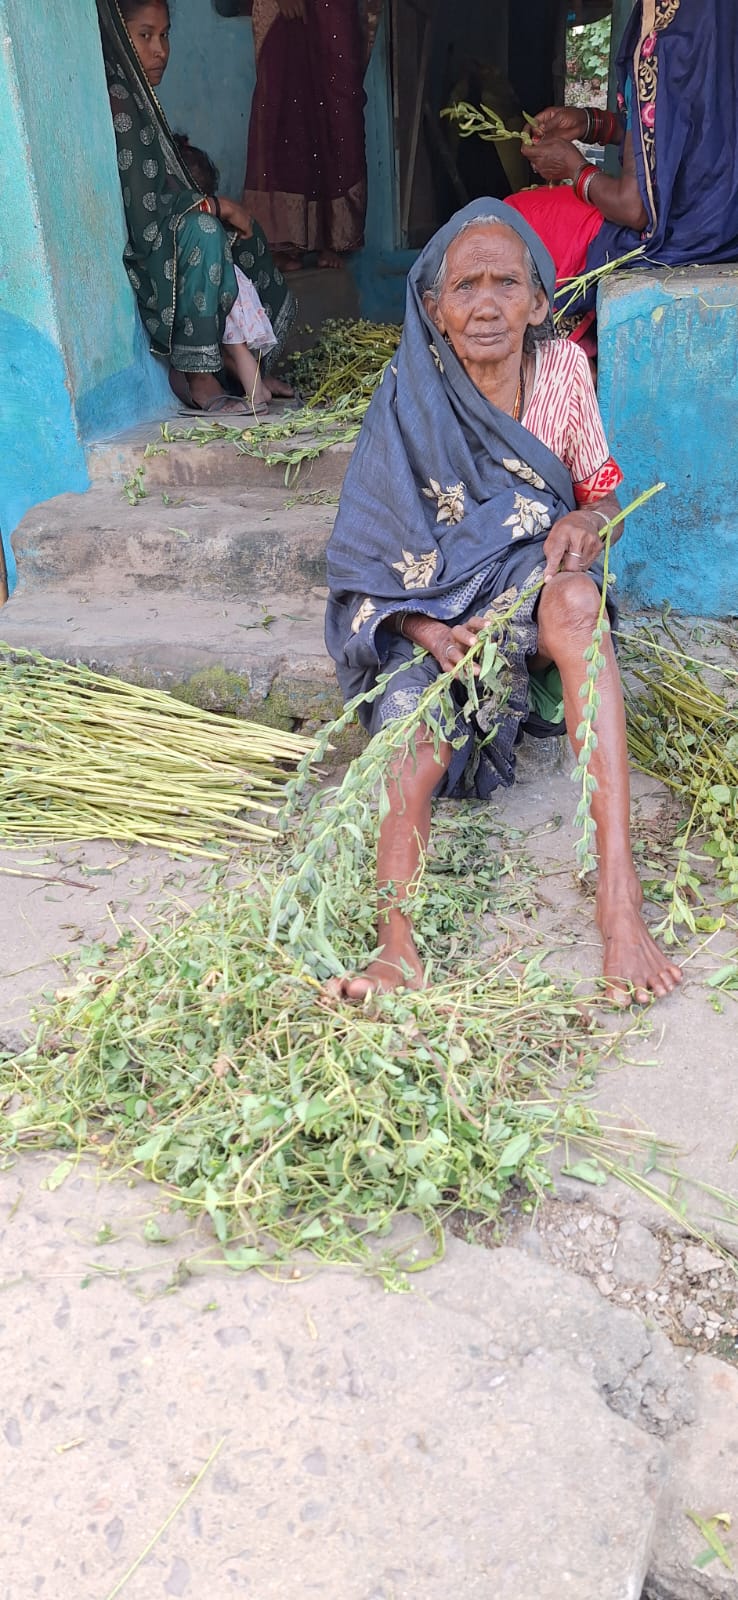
{"points": [[223, 404], [230, 405]]}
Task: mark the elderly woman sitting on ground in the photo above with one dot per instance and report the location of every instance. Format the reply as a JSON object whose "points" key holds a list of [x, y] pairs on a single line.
{"points": [[482, 467]]}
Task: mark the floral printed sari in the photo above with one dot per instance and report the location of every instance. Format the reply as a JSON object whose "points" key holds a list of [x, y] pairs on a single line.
{"points": [[445, 508]]}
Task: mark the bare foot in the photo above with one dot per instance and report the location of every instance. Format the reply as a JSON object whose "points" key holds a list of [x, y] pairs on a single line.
{"points": [[204, 388], [634, 968], [399, 969], [330, 258], [260, 396], [278, 389], [287, 262]]}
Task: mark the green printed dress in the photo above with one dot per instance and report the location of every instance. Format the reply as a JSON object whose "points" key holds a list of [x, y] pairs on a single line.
{"points": [[179, 260]]}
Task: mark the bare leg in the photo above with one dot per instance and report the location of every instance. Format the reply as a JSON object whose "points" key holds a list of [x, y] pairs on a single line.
{"points": [[632, 961], [238, 359], [403, 839]]}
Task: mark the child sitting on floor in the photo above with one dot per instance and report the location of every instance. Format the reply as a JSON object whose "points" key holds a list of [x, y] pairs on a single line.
{"points": [[248, 332]]}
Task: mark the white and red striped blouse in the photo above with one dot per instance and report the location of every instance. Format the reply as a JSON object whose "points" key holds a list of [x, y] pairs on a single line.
{"points": [[563, 413]]}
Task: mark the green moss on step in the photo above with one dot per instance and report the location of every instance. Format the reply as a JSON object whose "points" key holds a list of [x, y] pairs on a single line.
{"points": [[217, 689], [292, 701]]}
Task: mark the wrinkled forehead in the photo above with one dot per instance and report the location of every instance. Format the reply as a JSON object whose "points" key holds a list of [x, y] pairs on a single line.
{"points": [[484, 243]]}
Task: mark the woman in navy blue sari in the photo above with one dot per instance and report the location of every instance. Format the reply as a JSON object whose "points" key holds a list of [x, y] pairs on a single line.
{"points": [[677, 194], [482, 468]]}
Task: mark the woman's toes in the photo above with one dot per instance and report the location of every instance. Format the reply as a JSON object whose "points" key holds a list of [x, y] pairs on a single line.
{"points": [[333, 989], [348, 988]]}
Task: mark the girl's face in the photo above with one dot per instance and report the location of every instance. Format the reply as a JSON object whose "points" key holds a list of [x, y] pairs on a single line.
{"points": [[149, 30]]}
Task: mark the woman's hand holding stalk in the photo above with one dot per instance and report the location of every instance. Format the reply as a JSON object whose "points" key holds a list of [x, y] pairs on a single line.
{"points": [[560, 122], [575, 541], [448, 646]]}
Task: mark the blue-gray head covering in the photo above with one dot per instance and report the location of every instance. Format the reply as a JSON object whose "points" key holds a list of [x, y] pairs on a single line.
{"points": [[429, 261]]}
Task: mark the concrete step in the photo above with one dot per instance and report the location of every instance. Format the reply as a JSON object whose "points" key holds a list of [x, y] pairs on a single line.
{"points": [[219, 462], [702, 1478], [243, 543], [236, 655]]}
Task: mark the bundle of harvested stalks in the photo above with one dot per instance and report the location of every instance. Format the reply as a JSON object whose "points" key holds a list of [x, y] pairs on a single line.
{"points": [[348, 358], [683, 730], [213, 1062], [89, 757]]}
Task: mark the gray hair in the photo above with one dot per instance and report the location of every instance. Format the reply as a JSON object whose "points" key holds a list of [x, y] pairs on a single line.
{"points": [[533, 336]]}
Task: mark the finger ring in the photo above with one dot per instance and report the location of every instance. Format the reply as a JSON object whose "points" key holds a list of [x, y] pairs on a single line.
{"points": [[449, 650]]}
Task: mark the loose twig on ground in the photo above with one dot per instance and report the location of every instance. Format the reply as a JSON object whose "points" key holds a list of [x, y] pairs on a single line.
{"points": [[120, 1585]]}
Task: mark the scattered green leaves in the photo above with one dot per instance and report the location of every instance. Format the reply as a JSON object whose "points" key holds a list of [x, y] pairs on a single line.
{"points": [[709, 1528], [134, 487]]}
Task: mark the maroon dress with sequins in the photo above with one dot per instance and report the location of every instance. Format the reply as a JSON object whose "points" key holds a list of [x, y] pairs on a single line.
{"points": [[306, 171]]}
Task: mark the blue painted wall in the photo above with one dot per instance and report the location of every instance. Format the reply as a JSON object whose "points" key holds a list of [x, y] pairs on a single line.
{"points": [[71, 142], [209, 83], [73, 358], [668, 389], [40, 451]]}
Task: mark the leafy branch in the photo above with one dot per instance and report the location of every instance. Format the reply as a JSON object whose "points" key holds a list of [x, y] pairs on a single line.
{"points": [[590, 696], [484, 123]]}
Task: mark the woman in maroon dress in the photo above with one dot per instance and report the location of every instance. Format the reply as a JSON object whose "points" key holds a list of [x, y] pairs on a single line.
{"points": [[306, 172]]}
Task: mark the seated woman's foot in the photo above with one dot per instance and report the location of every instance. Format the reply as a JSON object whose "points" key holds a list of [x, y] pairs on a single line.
{"points": [[634, 968], [330, 259], [401, 969], [278, 389], [201, 391], [204, 388], [259, 397], [287, 261], [196, 390]]}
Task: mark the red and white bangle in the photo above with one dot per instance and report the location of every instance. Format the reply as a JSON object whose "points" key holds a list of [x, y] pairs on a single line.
{"points": [[205, 205], [583, 181], [586, 186]]}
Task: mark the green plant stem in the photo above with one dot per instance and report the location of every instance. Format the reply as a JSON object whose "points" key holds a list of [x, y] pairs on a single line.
{"points": [[120, 1585]]}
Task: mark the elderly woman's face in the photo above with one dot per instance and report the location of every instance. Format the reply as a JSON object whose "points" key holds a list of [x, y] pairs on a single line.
{"points": [[149, 30], [487, 300]]}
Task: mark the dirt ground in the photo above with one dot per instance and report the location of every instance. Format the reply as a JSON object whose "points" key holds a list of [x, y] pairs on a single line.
{"points": [[132, 1359]]}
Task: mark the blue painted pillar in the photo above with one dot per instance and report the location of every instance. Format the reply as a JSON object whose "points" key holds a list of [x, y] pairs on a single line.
{"points": [[40, 448], [73, 357], [668, 391]]}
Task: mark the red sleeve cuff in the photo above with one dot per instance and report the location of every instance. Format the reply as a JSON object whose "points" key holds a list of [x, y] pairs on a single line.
{"points": [[600, 483]]}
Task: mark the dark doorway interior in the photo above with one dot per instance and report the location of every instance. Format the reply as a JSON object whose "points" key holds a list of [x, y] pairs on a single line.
{"points": [[510, 54]]}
